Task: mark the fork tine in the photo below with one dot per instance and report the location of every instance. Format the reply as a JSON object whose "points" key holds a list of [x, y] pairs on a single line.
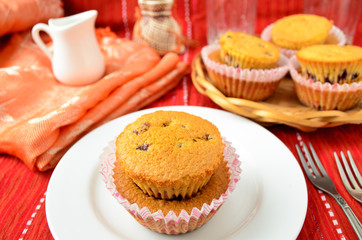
{"points": [[304, 163], [316, 158], [310, 160], [342, 173], [355, 169], [349, 172]]}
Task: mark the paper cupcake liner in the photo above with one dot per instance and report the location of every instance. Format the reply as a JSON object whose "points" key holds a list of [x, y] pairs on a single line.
{"points": [[254, 84], [324, 96], [169, 222], [335, 32]]}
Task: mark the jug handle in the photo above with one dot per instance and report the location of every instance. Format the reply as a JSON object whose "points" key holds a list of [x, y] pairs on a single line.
{"points": [[37, 39]]}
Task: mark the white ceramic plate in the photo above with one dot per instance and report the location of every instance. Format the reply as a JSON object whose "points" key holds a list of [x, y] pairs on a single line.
{"points": [[269, 202]]}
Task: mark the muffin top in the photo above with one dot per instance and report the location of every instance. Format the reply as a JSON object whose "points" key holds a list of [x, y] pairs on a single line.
{"points": [[331, 63], [169, 148], [331, 53], [244, 46], [300, 30]]}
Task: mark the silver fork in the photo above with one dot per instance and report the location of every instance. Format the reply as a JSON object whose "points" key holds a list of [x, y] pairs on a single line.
{"points": [[355, 190], [321, 180]]}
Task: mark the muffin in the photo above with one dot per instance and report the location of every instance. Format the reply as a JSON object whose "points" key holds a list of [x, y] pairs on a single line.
{"points": [[331, 63], [300, 30], [170, 154], [217, 185], [251, 84], [328, 77], [242, 50], [180, 214], [175, 223]]}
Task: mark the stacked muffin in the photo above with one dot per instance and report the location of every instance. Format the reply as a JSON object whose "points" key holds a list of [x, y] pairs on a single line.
{"points": [[244, 66], [170, 155], [172, 164]]}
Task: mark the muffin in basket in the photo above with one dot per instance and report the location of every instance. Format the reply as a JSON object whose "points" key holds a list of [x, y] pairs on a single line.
{"points": [[246, 51], [244, 66], [300, 30], [294, 32], [171, 171], [331, 63], [330, 76]]}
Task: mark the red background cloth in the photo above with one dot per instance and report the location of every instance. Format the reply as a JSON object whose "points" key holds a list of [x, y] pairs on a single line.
{"points": [[22, 191]]}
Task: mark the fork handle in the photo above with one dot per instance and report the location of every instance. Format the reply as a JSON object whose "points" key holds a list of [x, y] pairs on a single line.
{"points": [[355, 223]]}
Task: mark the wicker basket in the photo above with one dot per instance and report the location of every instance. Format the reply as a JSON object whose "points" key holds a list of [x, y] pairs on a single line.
{"points": [[283, 107]]}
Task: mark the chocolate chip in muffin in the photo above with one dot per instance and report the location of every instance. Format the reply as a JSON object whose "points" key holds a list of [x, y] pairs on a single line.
{"points": [[342, 76], [354, 76], [165, 124], [311, 76], [143, 147], [144, 127], [207, 137], [268, 53]]}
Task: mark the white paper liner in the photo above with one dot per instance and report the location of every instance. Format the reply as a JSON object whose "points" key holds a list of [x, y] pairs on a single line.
{"points": [[325, 96], [252, 84], [266, 35], [170, 223]]}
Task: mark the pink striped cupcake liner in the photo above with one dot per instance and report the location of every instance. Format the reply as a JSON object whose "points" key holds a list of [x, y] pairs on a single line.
{"points": [[324, 96], [335, 32], [169, 222]]}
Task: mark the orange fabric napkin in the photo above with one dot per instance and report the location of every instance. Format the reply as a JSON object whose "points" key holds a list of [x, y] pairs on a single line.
{"points": [[41, 118], [18, 15]]}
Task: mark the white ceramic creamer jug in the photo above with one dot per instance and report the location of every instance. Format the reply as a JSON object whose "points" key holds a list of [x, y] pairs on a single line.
{"points": [[75, 56]]}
